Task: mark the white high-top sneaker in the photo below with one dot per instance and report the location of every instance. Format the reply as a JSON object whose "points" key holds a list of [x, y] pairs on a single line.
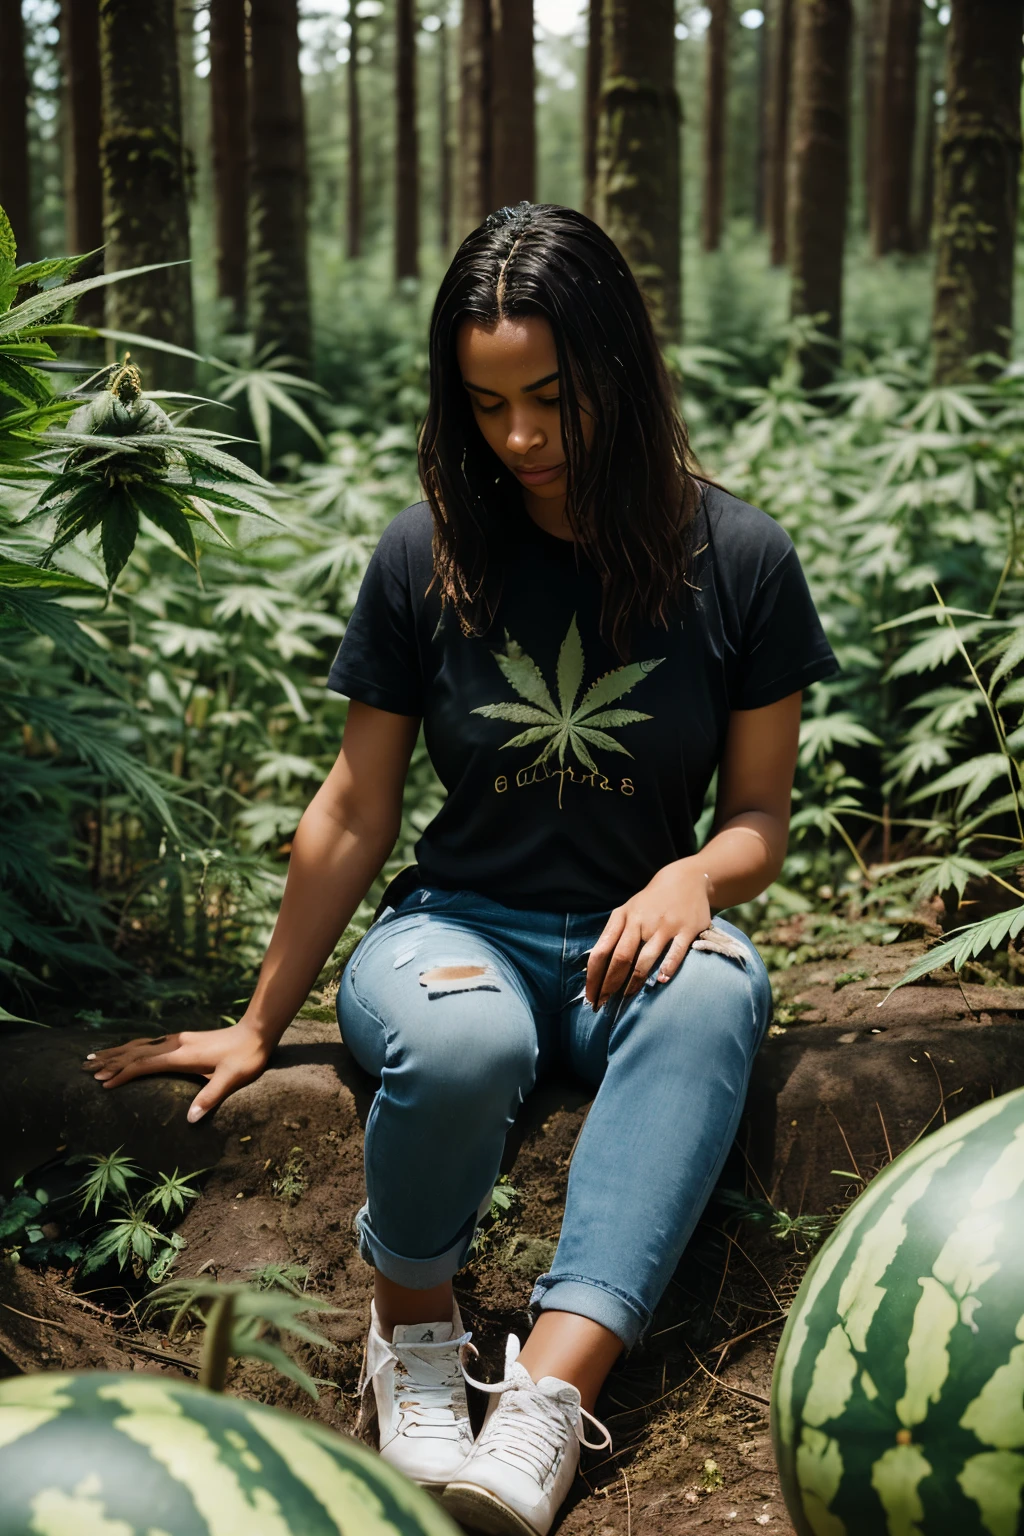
{"points": [[420, 1397], [525, 1458]]}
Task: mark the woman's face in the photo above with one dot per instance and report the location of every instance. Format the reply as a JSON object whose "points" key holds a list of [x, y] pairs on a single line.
{"points": [[511, 372]]}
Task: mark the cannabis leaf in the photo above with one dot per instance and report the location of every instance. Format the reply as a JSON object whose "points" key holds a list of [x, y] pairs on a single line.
{"points": [[563, 726]]}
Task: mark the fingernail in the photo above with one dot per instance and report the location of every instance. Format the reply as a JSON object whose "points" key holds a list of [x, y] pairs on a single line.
{"points": [[102, 1075], [91, 1056], [196, 1112]]}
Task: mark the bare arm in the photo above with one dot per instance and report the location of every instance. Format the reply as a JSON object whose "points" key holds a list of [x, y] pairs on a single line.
{"points": [[345, 835], [755, 782], [742, 858]]}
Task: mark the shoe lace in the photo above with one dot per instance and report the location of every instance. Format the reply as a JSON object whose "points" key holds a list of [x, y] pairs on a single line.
{"points": [[430, 1401], [530, 1424]]}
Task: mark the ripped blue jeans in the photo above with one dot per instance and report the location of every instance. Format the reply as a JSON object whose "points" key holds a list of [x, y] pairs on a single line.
{"points": [[458, 1004]]}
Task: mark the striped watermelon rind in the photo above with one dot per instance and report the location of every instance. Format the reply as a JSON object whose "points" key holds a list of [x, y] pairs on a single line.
{"points": [[898, 1394], [136, 1454]]}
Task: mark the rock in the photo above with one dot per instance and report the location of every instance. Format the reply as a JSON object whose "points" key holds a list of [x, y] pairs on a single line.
{"points": [[834, 1097], [47, 1103]]}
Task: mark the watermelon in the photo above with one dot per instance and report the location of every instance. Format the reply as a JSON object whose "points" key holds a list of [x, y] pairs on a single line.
{"points": [[135, 1454], [898, 1393]]}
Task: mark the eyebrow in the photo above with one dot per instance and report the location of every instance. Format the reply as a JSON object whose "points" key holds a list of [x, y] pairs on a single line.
{"points": [[525, 390]]}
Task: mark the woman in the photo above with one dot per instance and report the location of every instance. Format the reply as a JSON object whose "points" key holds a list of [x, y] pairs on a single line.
{"points": [[587, 631]]}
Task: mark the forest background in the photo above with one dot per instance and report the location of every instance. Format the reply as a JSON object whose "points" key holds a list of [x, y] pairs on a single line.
{"points": [[821, 203]]}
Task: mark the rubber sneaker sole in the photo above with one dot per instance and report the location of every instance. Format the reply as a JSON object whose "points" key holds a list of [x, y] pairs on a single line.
{"points": [[483, 1511]]}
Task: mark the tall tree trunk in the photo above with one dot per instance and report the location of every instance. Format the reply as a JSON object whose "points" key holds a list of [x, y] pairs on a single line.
{"points": [[185, 20], [819, 171], [639, 200], [444, 158], [83, 184], [475, 140], [407, 181], [715, 89], [897, 113], [354, 208], [145, 209], [761, 148], [278, 271], [778, 128], [15, 193], [513, 130], [978, 169], [873, 31], [229, 151], [924, 207], [591, 105]]}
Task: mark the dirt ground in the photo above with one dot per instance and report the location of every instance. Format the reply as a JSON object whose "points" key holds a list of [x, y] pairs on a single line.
{"points": [[688, 1410]]}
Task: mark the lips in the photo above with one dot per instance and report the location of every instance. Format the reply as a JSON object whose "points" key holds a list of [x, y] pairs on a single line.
{"points": [[536, 469]]}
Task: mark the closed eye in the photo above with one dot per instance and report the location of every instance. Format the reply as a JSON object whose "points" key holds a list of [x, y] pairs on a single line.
{"points": [[489, 410]]}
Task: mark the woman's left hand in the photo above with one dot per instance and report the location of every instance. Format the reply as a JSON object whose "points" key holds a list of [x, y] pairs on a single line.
{"points": [[669, 913]]}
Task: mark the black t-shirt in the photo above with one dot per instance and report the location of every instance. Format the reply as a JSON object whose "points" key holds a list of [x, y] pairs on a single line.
{"points": [[571, 778]]}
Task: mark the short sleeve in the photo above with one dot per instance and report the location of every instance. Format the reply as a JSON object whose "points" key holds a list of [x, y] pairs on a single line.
{"points": [[784, 646], [378, 662]]}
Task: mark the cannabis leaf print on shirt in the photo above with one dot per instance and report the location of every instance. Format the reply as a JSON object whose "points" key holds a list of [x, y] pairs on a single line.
{"points": [[565, 727]]}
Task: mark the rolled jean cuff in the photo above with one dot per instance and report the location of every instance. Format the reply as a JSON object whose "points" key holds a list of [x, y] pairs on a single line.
{"points": [[613, 1309], [417, 1274]]}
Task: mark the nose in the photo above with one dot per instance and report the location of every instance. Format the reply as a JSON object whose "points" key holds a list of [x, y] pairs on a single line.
{"points": [[524, 433]]}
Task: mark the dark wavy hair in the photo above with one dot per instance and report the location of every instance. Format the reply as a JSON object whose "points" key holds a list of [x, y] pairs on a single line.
{"points": [[631, 501]]}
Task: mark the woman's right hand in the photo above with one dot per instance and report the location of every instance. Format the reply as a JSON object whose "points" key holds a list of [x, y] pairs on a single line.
{"points": [[229, 1058]]}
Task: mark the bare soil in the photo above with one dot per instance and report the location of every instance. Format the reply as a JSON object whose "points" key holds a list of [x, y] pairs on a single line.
{"points": [[688, 1409]]}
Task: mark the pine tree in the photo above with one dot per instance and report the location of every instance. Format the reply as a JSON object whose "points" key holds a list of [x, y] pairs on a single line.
{"points": [[591, 104], [896, 107], [186, 41], [278, 272], [513, 129], [871, 32], [407, 192], [145, 208], [638, 200], [778, 128], [926, 137], [354, 200], [819, 171], [976, 195], [715, 91], [761, 147], [229, 151], [475, 157], [15, 193], [82, 107], [444, 157]]}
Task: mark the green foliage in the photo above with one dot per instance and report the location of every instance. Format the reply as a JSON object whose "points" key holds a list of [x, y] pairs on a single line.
{"points": [[161, 735], [904, 504], [237, 1317], [143, 767], [266, 388], [805, 1231], [504, 1199], [98, 1221]]}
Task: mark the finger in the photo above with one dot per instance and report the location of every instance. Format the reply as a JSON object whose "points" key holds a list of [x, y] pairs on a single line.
{"points": [[601, 954], [646, 961], [113, 1076], [141, 1061], [677, 952], [620, 967], [134, 1047], [224, 1080]]}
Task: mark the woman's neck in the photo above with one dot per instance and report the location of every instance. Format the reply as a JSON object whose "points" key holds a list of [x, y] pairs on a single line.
{"points": [[548, 513]]}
